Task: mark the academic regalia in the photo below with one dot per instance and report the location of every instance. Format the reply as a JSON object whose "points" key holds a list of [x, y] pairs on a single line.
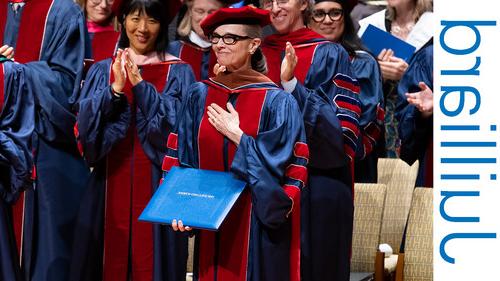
{"points": [[124, 139], [328, 98], [260, 238], [418, 37], [48, 38], [16, 127], [414, 131], [202, 60], [366, 70]]}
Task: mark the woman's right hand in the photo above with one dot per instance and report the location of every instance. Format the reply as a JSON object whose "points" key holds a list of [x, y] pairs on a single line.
{"points": [[179, 226], [119, 73]]}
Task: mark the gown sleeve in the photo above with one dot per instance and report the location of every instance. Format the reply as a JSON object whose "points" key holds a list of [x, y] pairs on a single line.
{"points": [[414, 130], [274, 163], [16, 127], [57, 75], [371, 96], [330, 107], [157, 112], [103, 119]]}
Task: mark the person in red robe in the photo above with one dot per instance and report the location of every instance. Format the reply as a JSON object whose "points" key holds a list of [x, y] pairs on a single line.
{"points": [[241, 122], [317, 72]]}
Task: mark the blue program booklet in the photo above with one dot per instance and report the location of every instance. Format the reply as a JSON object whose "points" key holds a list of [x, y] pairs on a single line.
{"points": [[376, 39], [200, 198]]}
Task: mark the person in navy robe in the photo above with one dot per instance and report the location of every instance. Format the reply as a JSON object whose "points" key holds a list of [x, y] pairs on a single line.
{"points": [[317, 72], [101, 25], [414, 112], [240, 122], [193, 46], [17, 114], [127, 108], [331, 18], [48, 37]]}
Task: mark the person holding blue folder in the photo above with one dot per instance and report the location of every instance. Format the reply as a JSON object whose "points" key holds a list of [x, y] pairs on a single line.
{"points": [[408, 20], [128, 106], [240, 121]]}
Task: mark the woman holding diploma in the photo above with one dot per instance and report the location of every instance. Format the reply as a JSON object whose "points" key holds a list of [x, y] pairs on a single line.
{"points": [[240, 121], [123, 103]]}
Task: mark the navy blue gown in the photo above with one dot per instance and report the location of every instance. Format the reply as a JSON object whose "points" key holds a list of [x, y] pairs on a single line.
{"points": [[260, 238], [16, 127], [48, 38], [124, 140], [416, 132], [328, 97]]}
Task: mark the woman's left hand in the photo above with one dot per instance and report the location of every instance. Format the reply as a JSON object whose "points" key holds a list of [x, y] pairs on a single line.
{"points": [[133, 74], [393, 68], [423, 100], [227, 123]]}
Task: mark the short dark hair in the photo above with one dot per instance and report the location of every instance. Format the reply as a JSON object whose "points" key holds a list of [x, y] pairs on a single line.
{"points": [[153, 8]]}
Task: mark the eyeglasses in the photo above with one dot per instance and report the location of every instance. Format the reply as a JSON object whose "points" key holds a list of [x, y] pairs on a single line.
{"points": [[333, 14], [228, 39], [97, 2], [268, 4]]}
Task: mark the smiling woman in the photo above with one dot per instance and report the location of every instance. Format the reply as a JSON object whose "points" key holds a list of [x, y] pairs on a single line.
{"points": [[128, 106], [240, 121]]}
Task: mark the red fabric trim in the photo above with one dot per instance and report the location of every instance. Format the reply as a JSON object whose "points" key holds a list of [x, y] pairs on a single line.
{"points": [[194, 57], [349, 106], [18, 220], [294, 193], [169, 162], [301, 150], [297, 172], [128, 189], [305, 56], [104, 44], [350, 126], [297, 37], [349, 151], [172, 141], [273, 58], [32, 30], [380, 114], [346, 85], [3, 19]]}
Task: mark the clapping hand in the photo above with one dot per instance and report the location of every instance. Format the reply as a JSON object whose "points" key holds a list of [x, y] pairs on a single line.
{"points": [[423, 100], [392, 67], [289, 63]]}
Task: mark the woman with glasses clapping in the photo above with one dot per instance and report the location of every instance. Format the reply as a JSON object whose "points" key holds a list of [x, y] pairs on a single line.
{"points": [[128, 106]]}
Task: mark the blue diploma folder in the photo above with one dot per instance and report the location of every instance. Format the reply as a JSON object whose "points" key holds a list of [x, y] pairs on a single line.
{"points": [[376, 39], [200, 198]]}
